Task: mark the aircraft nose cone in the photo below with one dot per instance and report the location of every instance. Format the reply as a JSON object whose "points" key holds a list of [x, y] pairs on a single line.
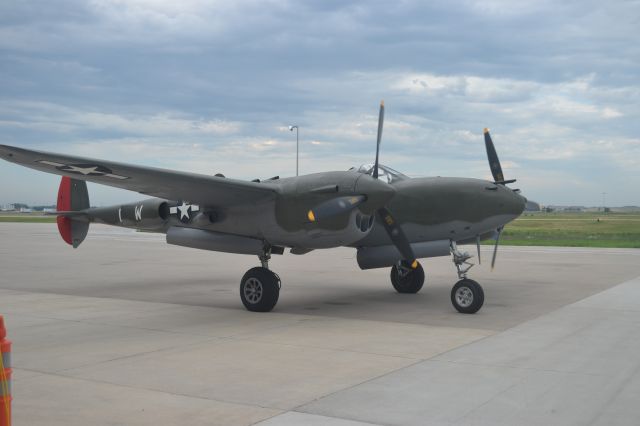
{"points": [[377, 191], [514, 202]]}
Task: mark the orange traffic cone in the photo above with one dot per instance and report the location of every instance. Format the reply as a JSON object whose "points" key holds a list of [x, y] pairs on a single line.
{"points": [[5, 376]]}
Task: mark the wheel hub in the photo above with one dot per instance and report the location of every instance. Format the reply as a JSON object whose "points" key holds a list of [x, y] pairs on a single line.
{"points": [[464, 297], [253, 290]]}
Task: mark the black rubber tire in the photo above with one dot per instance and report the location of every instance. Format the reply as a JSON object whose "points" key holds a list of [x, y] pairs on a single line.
{"points": [[409, 284], [472, 290], [266, 289]]}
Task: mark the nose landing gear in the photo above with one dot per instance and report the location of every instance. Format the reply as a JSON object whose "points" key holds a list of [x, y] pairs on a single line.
{"points": [[467, 295]]}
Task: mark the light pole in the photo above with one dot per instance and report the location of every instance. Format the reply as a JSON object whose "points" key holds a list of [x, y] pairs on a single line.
{"points": [[297, 145], [604, 202]]}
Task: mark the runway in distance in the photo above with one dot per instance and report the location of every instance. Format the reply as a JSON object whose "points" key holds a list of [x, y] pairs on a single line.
{"points": [[390, 219]]}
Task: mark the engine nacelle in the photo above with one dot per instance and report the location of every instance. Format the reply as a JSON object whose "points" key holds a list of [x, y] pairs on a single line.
{"points": [[318, 236]]}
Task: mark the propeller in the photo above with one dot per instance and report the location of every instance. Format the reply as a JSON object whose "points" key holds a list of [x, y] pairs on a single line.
{"points": [[341, 205], [380, 124], [335, 206], [494, 162], [398, 238], [345, 204], [495, 247]]}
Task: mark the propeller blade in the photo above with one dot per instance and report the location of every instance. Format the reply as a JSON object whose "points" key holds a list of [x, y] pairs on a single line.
{"points": [[478, 247], [380, 124], [335, 206], [494, 162], [398, 237], [495, 248]]}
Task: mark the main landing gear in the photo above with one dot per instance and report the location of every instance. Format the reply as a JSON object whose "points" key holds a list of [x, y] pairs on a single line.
{"points": [[467, 295], [405, 279], [260, 287]]}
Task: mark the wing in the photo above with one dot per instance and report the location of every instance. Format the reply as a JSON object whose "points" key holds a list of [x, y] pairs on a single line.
{"points": [[168, 184]]}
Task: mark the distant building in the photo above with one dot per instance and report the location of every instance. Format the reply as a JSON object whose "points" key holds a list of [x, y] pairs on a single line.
{"points": [[532, 206], [572, 209]]}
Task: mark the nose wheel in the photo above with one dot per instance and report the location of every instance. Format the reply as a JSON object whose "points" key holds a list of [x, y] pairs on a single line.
{"points": [[467, 295]]}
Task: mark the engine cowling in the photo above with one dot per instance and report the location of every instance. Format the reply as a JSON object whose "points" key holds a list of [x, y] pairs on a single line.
{"points": [[316, 236]]}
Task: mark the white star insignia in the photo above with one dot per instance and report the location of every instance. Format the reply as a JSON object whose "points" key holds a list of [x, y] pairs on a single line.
{"points": [[184, 210], [83, 170], [86, 171]]}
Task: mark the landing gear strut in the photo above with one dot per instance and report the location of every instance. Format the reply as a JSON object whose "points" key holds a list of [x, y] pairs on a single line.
{"points": [[467, 295], [260, 287]]}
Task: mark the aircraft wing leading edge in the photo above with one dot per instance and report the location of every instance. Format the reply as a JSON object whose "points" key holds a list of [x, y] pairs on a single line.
{"points": [[156, 182]]}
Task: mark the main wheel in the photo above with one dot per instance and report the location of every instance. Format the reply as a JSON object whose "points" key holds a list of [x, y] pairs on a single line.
{"points": [[407, 280], [467, 296], [259, 289]]}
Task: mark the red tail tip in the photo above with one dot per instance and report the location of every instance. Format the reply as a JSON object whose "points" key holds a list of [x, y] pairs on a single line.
{"points": [[64, 204]]}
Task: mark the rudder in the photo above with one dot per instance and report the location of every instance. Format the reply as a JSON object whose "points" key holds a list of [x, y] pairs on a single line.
{"points": [[72, 197]]}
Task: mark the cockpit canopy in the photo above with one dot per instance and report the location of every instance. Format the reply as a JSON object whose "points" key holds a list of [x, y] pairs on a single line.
{"points": [[384, 172]]}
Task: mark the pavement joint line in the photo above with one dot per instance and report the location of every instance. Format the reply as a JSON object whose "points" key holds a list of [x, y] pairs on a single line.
{"points": [[597, 308], [612, 398], [306, 316], [299, 407], [253, 337], [332, 349], [491, 398], [140, 354], [223, 340], [160, 304], [226, 401], [69, 371], [84, 379], [324, 415], [514, 367], [92, 322]]}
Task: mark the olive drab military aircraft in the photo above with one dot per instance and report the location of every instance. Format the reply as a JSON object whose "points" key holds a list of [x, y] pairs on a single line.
{"points": [[390, 219]]}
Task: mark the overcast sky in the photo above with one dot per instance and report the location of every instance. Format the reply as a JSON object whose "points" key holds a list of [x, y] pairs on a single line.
{"points": [[211, 86]]}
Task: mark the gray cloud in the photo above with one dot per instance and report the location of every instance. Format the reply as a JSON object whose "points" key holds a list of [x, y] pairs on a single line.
{"points": [[209, 86]]}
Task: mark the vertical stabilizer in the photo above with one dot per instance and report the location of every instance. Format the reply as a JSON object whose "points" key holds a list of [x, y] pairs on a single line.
{"points": [[72, 197]]}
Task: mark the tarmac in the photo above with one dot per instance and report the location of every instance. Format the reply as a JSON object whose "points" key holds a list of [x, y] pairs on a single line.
{"points": [[129, 330]]}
